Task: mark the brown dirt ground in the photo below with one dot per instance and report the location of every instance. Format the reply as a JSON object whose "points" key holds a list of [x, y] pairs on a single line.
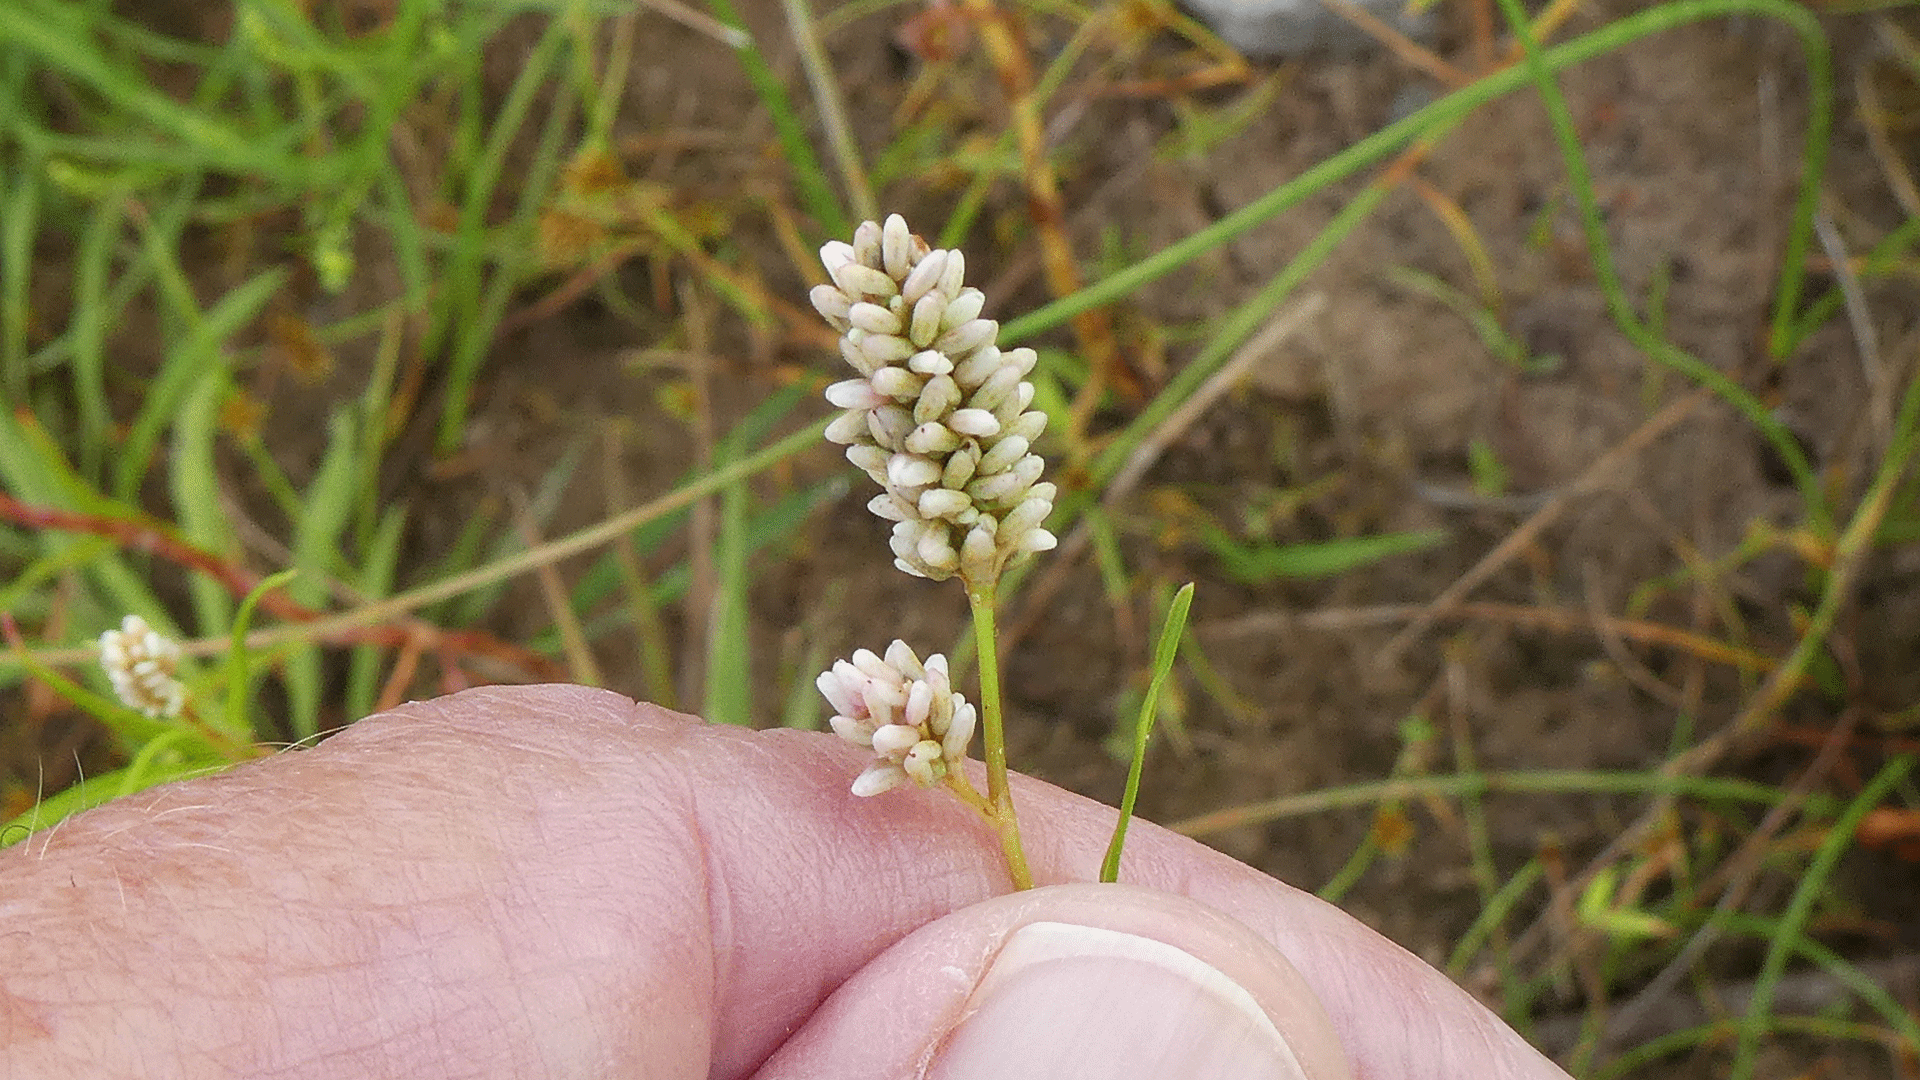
{"points": [[1692, 137]]}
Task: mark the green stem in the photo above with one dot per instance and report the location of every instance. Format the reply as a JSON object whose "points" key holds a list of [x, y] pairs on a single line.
{"points": [[980, 596]]}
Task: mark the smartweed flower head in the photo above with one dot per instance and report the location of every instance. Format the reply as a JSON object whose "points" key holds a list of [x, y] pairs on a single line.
{"points": [[142, 666], [938, 416], [904, 710]]}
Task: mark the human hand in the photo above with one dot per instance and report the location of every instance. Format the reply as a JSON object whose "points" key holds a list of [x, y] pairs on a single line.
{"points": [[555, 882]]}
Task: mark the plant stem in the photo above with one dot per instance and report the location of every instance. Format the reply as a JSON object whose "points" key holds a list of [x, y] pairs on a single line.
{"points": [[980, 597]]}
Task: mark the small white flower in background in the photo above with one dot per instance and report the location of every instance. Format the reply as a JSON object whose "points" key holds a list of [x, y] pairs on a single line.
{"points": [[141, 665], [905, 711], [939, 415]]}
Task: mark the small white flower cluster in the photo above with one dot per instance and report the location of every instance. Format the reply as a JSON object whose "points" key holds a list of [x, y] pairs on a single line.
{"points": [[939, 416], [905, 711], [141, 665]]}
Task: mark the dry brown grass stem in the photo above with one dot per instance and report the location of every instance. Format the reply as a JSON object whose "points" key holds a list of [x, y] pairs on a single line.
{"points": [[1093, 329], [581, 666], [1564, 620], [1410, 52]]}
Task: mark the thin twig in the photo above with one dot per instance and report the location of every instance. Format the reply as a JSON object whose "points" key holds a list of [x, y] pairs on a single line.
{"points": [[1282, 326], [1813, 992], [1849, 557], [160, 540], [1408, 50]]}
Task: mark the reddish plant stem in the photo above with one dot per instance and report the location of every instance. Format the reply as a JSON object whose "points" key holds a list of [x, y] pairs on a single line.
{"points": [[154, 538]]}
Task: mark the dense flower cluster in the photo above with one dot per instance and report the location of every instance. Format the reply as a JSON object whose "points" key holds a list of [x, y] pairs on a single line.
{"points": [[905, 711], [141, 665], [939, 415]]}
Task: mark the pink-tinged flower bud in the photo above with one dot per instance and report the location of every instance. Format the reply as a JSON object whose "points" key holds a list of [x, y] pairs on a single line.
{"points": [[928, 362], [904, 711], [863, 282], [854, 394], [978, 423], [873, 318], [895, 740], [835, 254], [867, 241], [924, 276], [925, 325], [911, 471], [943, 502], [965, 338], [847, 428], [831, 303], [953, 276], [896, 247], [963, 309], [881, 776], [924, 764]]}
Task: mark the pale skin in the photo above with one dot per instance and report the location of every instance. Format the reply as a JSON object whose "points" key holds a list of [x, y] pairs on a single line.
{"points": [[556, 882]]}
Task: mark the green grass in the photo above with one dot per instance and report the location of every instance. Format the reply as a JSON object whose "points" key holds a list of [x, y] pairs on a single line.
{"points": [[174, 211]]}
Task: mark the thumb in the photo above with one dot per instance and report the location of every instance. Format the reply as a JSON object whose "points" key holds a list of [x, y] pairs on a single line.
{"points": [[1106, 982]]}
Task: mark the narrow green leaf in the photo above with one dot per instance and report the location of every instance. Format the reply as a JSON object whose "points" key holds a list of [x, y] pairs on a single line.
{"points": [[187, 364], [316, 538], [816, 191], [1258, 565], [729, 695], [238, 671], [89, 329], [19, 222], [461, 317], [1163, 654], [161, 761], [1812, 885], [33, 470], [376, 583], [195, 486]]}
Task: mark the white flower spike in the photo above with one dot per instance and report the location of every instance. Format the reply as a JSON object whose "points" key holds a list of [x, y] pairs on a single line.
{"points": [[142, 665], [939, 417], [904, 710]]}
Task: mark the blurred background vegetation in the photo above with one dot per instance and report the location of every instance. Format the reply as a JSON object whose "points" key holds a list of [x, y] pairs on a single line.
{"points": [[1534, 406]]}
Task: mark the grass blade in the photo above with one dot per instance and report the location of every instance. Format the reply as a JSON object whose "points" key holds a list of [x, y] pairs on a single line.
{"points": [[316, 538], [1261, 564], [190, 362], [816, 194], [194, 484], [1163, 654]]}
